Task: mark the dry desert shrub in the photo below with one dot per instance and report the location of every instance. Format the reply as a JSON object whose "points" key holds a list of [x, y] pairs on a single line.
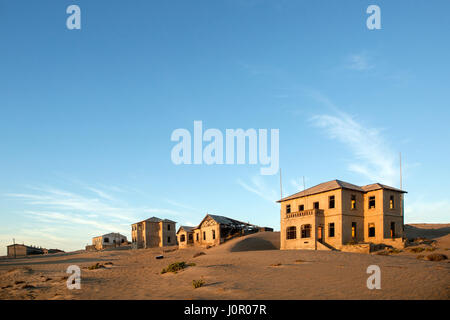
{"points": [[416, 249], [198, 254], [430, 249], [197, 283], [96, 266], [275, 265], [436, 257], [177, 266]]}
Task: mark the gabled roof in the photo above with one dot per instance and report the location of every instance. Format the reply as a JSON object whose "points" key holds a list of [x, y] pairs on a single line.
{"points": [[223, 220], [377, 186], [323, 187], [155, 219], [337, 184], [186, 228]]}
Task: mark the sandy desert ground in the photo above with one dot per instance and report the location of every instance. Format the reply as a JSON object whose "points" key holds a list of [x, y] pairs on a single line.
{"points": [[250, 267]]}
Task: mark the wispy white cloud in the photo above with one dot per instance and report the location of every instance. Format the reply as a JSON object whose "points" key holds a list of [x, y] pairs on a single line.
{"points": [[372, 156], [258, 186], [359, 62]]}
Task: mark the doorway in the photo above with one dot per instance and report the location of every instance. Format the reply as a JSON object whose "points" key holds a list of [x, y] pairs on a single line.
{"points": [[320, 234]]}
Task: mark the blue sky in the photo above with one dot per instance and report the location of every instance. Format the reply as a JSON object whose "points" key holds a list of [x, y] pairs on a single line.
{"points": [[86, 115]]}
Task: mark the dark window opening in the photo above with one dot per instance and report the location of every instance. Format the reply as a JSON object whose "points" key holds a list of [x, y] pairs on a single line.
{"points": [[301, 207], [316, 205], [168, 227], [391, 202], [190, 237], [204, 235], [331, 230], [197, 236], [106, 240], [168, 239], [353, 202], [330, 202], [371, 230], [214, 234], [371, 202], [306, 231], [182, 238], [291, 233], [288, 208], [392, 229]]}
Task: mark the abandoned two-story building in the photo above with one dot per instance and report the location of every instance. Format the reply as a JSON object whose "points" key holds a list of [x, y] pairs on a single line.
{"points": [[153, 232], [334, 213]]}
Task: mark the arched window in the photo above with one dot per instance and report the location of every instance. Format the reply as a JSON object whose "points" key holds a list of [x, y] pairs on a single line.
{"points": [[306, 231], [291, 233], [182, 238]]}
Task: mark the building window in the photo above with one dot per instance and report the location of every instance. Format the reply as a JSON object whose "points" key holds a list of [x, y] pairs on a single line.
{"points": [[306, 231], [371, 202], [190, 236], [331, 230], [371, 229], [204, 235], [214, 234], [196, 236], [106, 240], [316, 205], [168, 227], [288, 208], [353, 230], [182, 238], [392, 230], [391, 202], [353, 202], [168, 239], [301, 207], [331, 202], [291, 233]]}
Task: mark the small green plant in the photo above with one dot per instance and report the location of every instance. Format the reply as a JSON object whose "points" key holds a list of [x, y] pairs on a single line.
{"points": [[430, 249], [436, 257], [174, 267], [197, 283]]}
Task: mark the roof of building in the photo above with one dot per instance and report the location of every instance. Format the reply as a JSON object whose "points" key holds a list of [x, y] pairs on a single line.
{"points": [[337, 184], [223, 220], [186, 228], [156, 219]]}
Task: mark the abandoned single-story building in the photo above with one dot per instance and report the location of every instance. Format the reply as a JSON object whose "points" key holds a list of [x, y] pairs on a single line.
{"points": [[153, 232], [214, 230], [108, 240], [185, 236], [21, 250], [335, 213]]}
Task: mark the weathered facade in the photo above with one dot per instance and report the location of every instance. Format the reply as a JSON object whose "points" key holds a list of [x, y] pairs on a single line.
{"points": [[21, 250], [109, 240], [214, 230], [153, 232], [335, 213], [185, 236]]}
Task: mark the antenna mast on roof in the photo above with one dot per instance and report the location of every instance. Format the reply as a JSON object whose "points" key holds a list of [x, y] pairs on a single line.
{"points": [[402, 197], [281, 186]]}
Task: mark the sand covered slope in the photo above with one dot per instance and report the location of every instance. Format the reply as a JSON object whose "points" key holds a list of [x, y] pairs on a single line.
{"points": [[250, 267]]}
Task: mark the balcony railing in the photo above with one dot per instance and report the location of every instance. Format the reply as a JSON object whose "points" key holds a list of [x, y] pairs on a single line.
{"points": [[304, 213]]}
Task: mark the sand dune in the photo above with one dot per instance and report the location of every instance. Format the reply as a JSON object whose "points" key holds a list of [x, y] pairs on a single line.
{"points": [[250, 267]]}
